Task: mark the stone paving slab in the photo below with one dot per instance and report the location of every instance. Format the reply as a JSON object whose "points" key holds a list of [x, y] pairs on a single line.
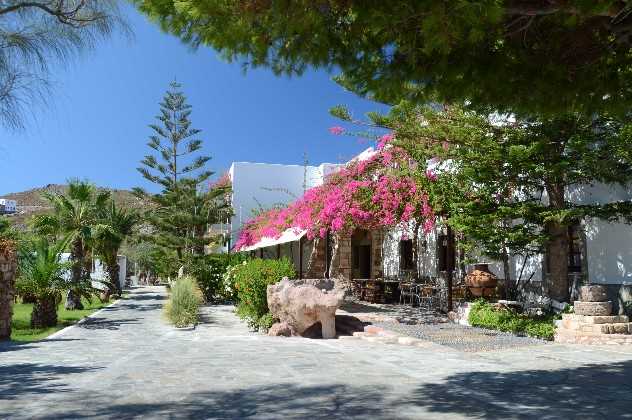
{"points": [[128, 363]]}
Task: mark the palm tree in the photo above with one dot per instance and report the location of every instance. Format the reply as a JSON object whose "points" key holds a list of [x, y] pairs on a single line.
{"points": [[42, 275], [74, 214], [108, 235]]}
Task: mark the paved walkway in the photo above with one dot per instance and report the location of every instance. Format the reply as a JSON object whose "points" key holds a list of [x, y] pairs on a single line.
{"points": [[128, 363]]}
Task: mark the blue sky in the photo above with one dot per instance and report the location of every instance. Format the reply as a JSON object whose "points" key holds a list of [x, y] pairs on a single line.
{"points": [[96, 126]]}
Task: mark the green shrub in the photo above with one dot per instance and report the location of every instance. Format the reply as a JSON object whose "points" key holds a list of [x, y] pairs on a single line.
{"points": [[209, 271], [482, 314], [251, 281], [182, 307]]}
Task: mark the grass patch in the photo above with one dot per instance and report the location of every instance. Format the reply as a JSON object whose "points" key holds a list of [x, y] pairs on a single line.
{"points": [[21, 321], [485, 315]]}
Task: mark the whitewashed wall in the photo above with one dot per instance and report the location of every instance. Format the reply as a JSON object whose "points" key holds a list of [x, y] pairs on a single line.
{"points": [[608, 245]]}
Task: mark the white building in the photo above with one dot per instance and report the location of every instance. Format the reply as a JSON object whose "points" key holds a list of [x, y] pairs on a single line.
{"points": [[8, 206], [599, 252], [261, 186], [98, 273]]}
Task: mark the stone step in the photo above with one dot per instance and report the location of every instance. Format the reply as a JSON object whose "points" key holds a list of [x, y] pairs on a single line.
{"points": [[380, 339], [372, 329], [579, 337], [611, 328], [618, 328], [603, 319], [592, 308]]}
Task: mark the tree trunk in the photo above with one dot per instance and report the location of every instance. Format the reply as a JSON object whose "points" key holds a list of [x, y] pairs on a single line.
{"points": [[44, 313], [333, 271], [558, 262], [508, 292], [416, 247], [113, 275], [557, 247], [198, 244], [73, 299], [8, 266]]}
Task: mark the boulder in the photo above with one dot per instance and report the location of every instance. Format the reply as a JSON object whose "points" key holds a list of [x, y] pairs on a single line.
{"points": [[281, 329], [302, 303], [593, 293]]}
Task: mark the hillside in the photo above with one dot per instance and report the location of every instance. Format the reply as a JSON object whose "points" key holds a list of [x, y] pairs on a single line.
{"points": [[32, 202]]}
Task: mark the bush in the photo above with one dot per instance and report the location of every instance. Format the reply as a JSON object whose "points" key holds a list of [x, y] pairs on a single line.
{"points": [[209, 271], [185, 298], [482, 314], [251, 281]]}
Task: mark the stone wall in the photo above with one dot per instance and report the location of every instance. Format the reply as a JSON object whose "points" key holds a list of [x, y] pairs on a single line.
{"points": [[316, 264], [8, 267]]}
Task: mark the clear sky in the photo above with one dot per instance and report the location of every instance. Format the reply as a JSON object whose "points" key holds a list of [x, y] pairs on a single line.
{"points": [[97, 124]]}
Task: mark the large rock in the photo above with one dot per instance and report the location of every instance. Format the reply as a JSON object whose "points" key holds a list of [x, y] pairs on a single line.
{"points": [[281, 329], [593, 293], [593, 308], [302, 303]]}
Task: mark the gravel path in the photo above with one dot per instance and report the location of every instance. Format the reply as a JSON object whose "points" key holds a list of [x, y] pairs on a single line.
{"points": [[460, 337]]}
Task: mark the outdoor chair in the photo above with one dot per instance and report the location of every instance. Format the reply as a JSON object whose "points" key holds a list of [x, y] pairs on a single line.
{"points": [[428, 296], [407, 292]]}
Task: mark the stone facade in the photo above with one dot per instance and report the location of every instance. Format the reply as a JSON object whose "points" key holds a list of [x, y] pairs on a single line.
{"points": [[343, 260], [8, 265]]}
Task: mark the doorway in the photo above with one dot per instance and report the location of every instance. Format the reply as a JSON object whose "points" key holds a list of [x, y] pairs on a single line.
{"points": [[361, 254]]}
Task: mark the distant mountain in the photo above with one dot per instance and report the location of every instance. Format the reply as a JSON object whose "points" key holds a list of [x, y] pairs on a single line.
{"points": [[32, 202]]}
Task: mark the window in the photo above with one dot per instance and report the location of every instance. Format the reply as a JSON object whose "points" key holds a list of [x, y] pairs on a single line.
{"points": [[406, 255]]}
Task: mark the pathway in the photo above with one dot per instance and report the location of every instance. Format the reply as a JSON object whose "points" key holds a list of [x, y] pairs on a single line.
{"points": [[127, 363]]}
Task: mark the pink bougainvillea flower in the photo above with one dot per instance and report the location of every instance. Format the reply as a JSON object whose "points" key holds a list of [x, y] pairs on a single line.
{"points": [[369, 194], [428, 226], [337, 130], [384, 140]]}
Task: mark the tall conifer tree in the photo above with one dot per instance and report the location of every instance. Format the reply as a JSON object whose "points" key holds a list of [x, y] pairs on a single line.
{"points": [[177, 168]]}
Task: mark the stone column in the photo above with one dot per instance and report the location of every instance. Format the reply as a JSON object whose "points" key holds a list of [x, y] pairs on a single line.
{"points": [[8, 265], [343, 263]]}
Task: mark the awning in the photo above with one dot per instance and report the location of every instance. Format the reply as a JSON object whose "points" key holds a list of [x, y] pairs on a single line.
{"points": [[289, 235]]}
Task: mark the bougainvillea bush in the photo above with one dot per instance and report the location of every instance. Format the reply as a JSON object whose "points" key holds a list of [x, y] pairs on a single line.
{"points": [[372, 193]]}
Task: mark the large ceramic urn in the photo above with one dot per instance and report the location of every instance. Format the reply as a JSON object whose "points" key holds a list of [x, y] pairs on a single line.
{"points": [[481, 281]]}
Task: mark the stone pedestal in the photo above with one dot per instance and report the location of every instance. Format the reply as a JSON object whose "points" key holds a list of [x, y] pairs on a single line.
{"points": [[8, 265], [593, 322]]}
